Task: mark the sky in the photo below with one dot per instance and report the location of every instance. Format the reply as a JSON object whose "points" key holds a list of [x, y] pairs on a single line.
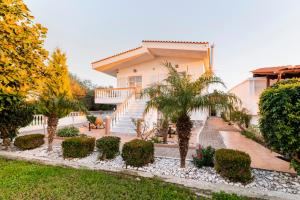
{"points": [[247, 34]]}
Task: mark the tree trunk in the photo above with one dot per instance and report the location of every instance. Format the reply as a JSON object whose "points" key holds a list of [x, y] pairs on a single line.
{"points": [[165, 136], [52, 126], [183, 126], [5, 138]]}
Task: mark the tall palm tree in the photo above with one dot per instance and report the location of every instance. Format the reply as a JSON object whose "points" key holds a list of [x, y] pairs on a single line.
{"points": [[179, 96]]}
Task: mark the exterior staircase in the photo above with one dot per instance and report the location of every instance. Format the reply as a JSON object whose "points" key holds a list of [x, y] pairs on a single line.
{"points": [[123, 123]]}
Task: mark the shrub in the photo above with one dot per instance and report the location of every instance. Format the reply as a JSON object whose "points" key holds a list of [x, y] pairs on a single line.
{"points": [[251, 135], [204, 157], [68, 132], [233, 164], [92, 119], [224, 117], [279, 108], [138, 153], [155, 140], [225, 196], [78, 147], [31, 141], [241, 117], [15, 113], [109, 147], [296, 165]]}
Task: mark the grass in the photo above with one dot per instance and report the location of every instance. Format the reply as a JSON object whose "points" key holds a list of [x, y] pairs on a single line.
{"points": [[23, 180]]}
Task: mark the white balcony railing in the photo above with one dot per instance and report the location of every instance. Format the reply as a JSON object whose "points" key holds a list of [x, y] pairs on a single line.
{"points": [[113, 95]]}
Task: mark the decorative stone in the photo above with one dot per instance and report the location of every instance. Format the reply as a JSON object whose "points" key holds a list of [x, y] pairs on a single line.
{"points": [[263, 180]]}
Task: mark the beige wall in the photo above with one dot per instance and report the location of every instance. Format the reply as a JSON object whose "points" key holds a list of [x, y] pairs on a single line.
{"points": [[153, 71], [249, 92]]}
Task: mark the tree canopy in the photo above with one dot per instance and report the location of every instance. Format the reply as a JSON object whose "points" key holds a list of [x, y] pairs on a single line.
{"points": [[22, 54]]}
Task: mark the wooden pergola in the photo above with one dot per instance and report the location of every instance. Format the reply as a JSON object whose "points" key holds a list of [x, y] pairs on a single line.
{"points": [[281, 72]]}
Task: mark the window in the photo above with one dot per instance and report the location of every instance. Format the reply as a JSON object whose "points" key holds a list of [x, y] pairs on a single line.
{"points": [[135, 81]]}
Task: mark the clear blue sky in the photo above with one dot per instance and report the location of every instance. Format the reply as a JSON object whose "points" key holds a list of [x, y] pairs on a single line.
{"points": [[246, 33]]}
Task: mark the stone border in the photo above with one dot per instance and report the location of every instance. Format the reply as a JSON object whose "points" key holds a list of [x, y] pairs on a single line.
{"points": [[193, 184]]}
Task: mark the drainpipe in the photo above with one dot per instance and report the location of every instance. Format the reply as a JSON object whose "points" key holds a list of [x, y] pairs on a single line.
{"points": [[212, 56]]}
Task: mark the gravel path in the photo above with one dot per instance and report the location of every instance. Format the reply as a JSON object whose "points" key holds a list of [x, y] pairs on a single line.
{"points": [[263, 180]]}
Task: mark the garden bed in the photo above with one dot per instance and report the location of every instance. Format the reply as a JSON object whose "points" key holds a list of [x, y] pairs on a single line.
{"points": [[263, 180]]}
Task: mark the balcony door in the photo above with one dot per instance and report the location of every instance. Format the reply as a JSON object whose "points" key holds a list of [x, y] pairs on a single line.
{"points": [[135, 81]]}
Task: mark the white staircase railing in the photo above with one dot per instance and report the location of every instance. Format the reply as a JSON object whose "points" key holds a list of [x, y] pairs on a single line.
{"points": [[121, 109]]}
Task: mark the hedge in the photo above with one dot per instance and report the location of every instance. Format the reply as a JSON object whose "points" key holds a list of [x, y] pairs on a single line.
{"points": [[78, 147], [29, 141], [233, 165], [279, 109], [108, 146], [138, 153]]}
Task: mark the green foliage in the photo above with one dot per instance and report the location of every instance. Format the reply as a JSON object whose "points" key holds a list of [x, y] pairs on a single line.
{"points": [[84, 91], [13, 117], [58, 106], [279, 108], [91, 119], [36, 181], [78, 147], [178, 96], [234, 165], [68, 132], [224, 117], [204, 157], [31, 141], [225, 196], [251, 135], [108, 146], [138, 153], [241, 117], [155, 140], [296, 165], [22, 53]]}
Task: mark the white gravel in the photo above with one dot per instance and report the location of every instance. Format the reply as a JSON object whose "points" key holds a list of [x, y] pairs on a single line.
{"points": [[263, 180]]}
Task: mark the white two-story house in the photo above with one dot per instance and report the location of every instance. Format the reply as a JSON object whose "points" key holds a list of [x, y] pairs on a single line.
{"points": [[140, 67]]}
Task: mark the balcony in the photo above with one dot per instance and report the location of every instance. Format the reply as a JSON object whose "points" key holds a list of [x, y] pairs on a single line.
{"points": [[113, 95]]}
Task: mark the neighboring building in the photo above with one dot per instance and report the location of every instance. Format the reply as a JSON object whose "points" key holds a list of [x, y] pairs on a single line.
{"points": [[250, 90], [140, 67]]}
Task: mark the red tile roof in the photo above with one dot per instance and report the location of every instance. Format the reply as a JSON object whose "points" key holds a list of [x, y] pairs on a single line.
{"points": [[275, 70], [160, 41], [117, 54], [166, 41]]}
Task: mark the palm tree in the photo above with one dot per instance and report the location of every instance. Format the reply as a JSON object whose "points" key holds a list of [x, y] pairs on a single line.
{"points": [[179, 96], [55, 107]]}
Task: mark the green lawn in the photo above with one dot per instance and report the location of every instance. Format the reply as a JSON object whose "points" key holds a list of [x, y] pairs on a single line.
{"points": [[22, 180]]}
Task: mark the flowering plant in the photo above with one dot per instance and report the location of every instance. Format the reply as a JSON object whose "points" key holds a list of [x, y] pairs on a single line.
{"points": [[204, 157]]}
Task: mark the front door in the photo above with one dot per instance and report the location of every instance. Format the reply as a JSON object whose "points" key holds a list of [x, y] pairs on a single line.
{"points": [[136, 81]]}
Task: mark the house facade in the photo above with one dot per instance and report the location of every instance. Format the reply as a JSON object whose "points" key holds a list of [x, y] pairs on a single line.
{"points": [[250, 89], [138, 68]]}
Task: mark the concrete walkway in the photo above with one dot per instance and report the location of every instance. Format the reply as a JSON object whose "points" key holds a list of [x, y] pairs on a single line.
{"points": [[261, 157], [210, 136]]}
